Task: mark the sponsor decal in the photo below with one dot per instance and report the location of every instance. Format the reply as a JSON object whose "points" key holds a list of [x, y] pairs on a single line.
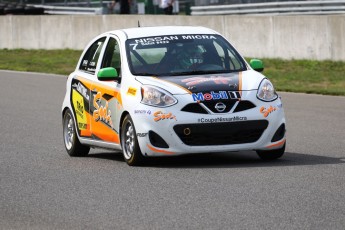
{"points": [[234, 94], [221, 119], [280, 106], [101, 113], [78, 103], [143, 111], [159, 115], [216, 96], [156, 39], [131, 91], [198, 37], [82, 90], [141, 134], [167, 39], [172, 38], [85, 62], [199, 80], [267, 111]]}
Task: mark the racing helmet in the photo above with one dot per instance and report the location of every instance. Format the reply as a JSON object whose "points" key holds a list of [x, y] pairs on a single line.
{"points": [[189, 55]]}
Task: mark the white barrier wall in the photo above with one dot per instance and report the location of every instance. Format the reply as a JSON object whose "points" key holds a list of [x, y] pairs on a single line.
{"points": [[317, 37]]}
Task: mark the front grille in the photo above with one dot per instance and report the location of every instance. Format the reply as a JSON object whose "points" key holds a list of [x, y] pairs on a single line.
{"points": [[197, 108], [194, 108], [225, 133], [244, 105], [212, 104]]}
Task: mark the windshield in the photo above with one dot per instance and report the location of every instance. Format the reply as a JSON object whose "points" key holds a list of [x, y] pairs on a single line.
{"points": [[182, 55]]}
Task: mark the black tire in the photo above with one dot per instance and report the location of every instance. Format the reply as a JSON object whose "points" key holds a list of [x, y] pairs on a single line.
{"points": [[129, 142], [73, 147], [269, 155]]}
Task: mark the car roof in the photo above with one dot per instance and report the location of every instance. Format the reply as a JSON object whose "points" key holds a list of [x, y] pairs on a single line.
{"points": [[165, 30]]}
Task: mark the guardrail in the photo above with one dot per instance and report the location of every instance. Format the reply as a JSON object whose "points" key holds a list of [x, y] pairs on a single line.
{"points": [[293, 7], [70, 10]]}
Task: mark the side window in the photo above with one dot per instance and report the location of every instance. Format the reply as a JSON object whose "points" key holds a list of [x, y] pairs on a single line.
{"points": [[91, 56], [221, 53], [234, 62], [228, 57], [112, 57], [219, 50]]}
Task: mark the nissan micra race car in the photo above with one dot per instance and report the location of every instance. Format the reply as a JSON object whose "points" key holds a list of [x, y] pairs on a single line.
{"points": [[166, 91]]}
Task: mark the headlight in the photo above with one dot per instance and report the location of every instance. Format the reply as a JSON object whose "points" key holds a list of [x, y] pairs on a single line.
{"points": [[155, 96], [266, 91]]}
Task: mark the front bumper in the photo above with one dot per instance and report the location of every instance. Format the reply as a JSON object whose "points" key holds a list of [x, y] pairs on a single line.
{"points": [[180, 132]]}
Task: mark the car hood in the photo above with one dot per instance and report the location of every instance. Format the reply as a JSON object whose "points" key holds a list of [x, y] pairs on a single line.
{"points": [[246, 80]]}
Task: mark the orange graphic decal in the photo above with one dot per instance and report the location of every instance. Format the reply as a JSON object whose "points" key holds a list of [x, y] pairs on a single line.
{"points": [[266, 112], [101, 113], [161, 116], [174, 84], [276, 144], [240, 84], [158, 150]]}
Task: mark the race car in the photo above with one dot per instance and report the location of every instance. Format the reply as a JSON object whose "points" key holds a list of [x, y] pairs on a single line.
{"points": [[168, 91]]}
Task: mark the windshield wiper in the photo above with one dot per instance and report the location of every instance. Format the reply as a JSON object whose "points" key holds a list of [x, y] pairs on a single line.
{"points": [[145, 74], [183, 73], [198, 72], [191, 72]]}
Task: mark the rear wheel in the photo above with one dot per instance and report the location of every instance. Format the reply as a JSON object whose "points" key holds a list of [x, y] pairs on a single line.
{"points": [[129, 143], [73, 146], [271, 154]]}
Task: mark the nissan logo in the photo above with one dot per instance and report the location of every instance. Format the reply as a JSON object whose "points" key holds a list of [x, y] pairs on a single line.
{"points": [[220, 107]]}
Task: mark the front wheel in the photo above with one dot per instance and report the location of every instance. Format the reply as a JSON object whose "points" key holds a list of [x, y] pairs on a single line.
{"points": [[73, 147], [129, 143], [271, 154]]}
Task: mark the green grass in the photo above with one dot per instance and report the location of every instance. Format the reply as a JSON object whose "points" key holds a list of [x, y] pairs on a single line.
{"points": [[45, 61], [321, 77]]}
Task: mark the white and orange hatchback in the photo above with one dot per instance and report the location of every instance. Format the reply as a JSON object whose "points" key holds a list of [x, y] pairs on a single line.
{"points": [[166, 91]]}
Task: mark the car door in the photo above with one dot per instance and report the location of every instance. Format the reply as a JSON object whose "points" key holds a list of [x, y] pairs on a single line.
{"points": [[106, 98], [81, 96]]}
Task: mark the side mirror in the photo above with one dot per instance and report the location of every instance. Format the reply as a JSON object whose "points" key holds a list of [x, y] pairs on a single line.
{"points": [[107, 74], [257, 65]]}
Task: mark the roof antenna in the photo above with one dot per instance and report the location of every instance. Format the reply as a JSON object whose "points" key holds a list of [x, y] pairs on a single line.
{"points": [[138, 23]]}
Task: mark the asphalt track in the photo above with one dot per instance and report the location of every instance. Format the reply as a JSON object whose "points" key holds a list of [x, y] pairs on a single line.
{"points": [[43, 188]]}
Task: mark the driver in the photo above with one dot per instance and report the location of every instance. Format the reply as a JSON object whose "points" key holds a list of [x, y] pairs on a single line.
{"points": [[187, 57]]}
